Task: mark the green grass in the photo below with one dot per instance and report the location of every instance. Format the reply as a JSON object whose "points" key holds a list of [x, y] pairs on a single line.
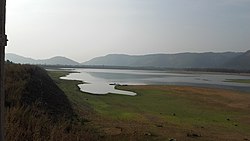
{"points": [[239, 80], [154, 106], [157, 105]]}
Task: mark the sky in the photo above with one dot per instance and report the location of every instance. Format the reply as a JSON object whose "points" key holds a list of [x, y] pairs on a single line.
{"points": [[84, 29]]}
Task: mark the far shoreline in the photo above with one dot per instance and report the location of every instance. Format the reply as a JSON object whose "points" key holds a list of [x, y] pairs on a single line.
{"points": [[243, 72]]}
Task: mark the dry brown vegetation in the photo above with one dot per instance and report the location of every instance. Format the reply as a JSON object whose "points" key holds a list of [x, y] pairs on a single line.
{"points": [[37, 110]]}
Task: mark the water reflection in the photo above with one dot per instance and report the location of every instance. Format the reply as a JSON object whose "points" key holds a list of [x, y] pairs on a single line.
{"points": [[95, 85], [96, 81]]}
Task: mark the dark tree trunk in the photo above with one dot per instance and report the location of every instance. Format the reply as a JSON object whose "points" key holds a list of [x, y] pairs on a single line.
{"points": [[3, 43]]}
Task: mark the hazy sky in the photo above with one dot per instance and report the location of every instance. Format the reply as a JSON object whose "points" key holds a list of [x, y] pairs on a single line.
{"points": [[83, 29]]}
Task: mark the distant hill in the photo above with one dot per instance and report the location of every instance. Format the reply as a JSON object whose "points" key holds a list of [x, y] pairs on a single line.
{"points": [[225, 60], [52, 61], [242, 61], [19, 59], [232, 60]]}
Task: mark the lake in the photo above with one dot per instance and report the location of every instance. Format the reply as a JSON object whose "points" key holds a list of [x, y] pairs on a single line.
{"points": [[100, 81]]}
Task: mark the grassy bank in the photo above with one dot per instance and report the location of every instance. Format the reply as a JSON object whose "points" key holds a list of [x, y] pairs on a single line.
{"points": [[247, 81], [163, 112], [38, 110]]}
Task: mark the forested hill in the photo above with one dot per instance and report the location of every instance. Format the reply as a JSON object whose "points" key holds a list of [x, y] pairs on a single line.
{"points": [[230, 60]]}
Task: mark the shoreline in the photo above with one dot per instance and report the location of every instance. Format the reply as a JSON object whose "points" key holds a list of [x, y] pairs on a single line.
{"points": [[237, 86], [205, 70]]}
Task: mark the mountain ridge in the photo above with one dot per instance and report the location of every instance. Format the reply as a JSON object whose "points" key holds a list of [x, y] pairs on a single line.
{"points": [[57, 60], [178, 60], [186, 60]]}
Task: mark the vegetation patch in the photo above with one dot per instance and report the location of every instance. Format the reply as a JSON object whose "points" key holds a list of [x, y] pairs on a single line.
{"points": [[239, 80], [38, 110]]}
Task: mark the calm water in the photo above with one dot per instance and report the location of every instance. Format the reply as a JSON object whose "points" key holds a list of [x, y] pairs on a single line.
{"points": [[97, 81]]}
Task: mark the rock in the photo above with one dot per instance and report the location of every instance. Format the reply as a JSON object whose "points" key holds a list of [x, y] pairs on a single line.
{"points": [[113, 131], [147, 134], [159, 125], [192, 134]]}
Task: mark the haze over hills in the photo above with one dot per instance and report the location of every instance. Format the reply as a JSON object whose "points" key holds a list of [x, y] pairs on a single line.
{"points": [[231, 60], [227, 60], [58, 60], [241, 61]]}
